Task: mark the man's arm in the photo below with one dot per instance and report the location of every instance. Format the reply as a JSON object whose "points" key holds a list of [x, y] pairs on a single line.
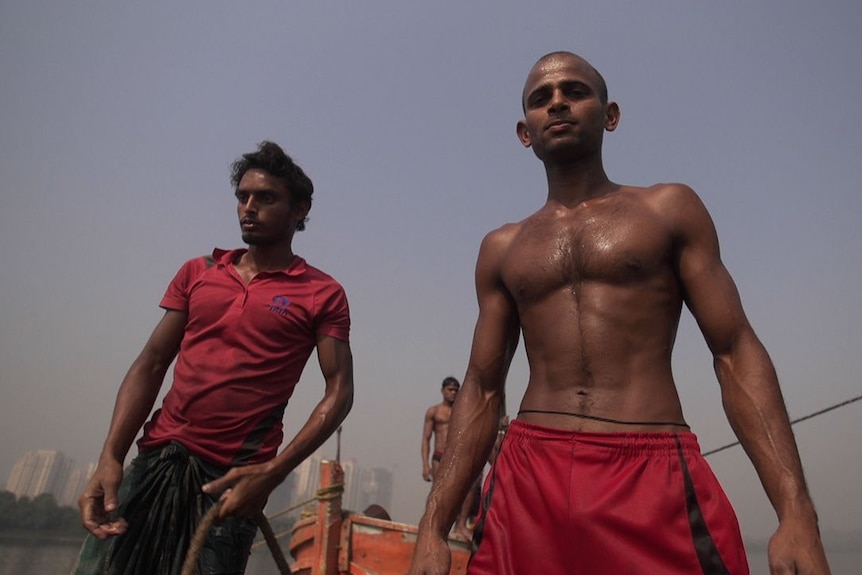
{"points": [[749, 386], [476, 413], [135, 400], [249, 487], [427, 431]]}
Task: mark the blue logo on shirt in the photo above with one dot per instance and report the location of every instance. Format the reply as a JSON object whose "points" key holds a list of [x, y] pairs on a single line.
{"points": [[279, 305]]}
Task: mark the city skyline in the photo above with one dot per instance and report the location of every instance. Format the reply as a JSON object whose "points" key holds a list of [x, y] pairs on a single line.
{"points": [[48, 471], [51, 471]]}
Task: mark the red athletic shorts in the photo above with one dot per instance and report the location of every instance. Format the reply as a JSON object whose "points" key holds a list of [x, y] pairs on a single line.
{"points": [[568, 503]]}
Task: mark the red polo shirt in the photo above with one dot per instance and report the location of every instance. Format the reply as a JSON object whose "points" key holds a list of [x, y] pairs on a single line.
{"points": [[242, 354]]}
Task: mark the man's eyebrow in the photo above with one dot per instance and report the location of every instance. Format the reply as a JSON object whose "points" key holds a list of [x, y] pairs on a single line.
{"points": [[257, 190], [538, 90], [564, 83]]}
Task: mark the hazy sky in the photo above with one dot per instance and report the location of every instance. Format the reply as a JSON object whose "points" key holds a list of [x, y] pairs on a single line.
{"points": [[118, 123]]}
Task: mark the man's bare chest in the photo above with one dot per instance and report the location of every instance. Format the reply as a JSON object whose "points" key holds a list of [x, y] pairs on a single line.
{"points": [[603, 247], [442, 415]]}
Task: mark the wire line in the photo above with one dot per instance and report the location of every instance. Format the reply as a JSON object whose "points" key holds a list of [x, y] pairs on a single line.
{"points": [[793, 422]]}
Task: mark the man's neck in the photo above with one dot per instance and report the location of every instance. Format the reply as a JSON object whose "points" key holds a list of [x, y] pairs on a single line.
{"points": [[571, 183], [271, 257]]}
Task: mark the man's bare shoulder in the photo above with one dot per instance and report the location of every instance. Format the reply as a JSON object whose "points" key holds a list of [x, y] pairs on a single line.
{"points": [[662, 192], [502, 236], [439, 413], [500, 239], [437, 407], [676, 204], [666, 194], [680, 210], [496, 244]]}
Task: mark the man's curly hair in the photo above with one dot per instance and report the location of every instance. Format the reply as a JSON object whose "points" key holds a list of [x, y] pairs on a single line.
{"points": [[270, 158]]}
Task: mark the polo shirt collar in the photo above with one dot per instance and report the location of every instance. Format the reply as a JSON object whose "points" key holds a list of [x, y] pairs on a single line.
{"points": [[226, 257]]}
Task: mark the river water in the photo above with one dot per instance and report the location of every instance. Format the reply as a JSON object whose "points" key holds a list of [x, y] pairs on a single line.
{"points": [[50, 559], [57, 559]]}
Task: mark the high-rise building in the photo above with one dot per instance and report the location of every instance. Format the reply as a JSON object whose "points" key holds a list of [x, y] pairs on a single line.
{"points": [[281, 497], [352, 498], [362, 487], [307, 482], [38, 472], [47, 471], [377, 487], [75, 484]]}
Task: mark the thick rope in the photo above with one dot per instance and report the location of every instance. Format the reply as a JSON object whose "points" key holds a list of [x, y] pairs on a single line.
{"points": [[323, 494], [190, 566], [330, 492], [273, 545]]}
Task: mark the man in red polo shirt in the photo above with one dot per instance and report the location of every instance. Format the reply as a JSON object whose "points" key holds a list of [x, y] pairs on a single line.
{"points": [[241, 325]]}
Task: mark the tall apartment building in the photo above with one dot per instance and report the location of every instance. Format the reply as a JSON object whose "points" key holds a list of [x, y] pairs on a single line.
{"points": [[352, 497], [75, 485], [307, 480], [48, 471], [281, 497], [38, 472], [362, 487], [377, 487]]}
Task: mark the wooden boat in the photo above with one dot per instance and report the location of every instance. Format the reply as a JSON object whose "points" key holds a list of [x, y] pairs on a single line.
{"points": [[338, 542]]}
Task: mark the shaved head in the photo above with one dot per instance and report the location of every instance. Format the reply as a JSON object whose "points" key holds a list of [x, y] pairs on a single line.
{"points": [[600, 86]]}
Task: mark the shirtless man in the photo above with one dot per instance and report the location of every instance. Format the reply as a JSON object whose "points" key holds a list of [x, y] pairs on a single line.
{"points": [[437, 425], [599, 472]]}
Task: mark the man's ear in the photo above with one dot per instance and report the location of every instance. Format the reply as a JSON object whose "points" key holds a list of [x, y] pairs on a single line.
{"points": [[302, 209], [612, 116], [523, 133]]}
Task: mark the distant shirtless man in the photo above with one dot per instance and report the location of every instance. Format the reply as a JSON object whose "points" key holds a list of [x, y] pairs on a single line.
{"points": [[437, 425], [599, 473]]}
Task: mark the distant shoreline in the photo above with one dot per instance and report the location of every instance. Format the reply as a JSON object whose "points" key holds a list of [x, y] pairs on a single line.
{"points": [[833, 541], [36, 538]]}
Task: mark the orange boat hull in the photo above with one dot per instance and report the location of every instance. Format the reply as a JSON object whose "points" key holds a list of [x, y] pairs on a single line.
{"points": [[367, 546], [336, 542]]}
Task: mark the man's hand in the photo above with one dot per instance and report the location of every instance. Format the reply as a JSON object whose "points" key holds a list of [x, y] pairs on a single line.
{"points": [[426, 472], [795, 548], [100, 499], [244, 490], [431, 556]]}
